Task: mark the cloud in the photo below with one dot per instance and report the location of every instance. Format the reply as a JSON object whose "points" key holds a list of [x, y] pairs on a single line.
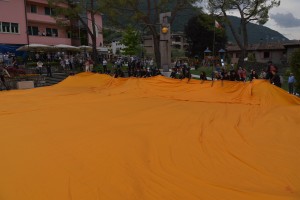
{"points": [[287, 20]]}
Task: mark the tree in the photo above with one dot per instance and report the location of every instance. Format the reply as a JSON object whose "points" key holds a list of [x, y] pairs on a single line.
{"points": [[146, 14], [200, 34], [78, 10], [132, 40], [249, 11], [295, 67]]}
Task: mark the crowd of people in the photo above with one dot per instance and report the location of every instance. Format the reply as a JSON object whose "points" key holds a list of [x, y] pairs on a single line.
{"points": [[143, 68], [181, 70], [135, 67]]}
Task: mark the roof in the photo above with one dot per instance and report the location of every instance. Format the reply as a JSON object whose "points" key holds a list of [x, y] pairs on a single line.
{"points": [[258, 47], [292, 43]]}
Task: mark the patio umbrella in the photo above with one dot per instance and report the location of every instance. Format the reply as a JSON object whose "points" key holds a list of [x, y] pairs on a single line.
{"points": [[35, 47], [86, 48], [66, 47]]}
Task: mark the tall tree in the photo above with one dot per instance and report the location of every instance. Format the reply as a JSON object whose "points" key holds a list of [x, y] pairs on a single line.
{"points": [[256, 11], [80, 10], [132, 40], [199, 32], [146, 14]]}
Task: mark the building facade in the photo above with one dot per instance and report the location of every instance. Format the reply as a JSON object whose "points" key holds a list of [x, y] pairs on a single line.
{"points": [[32, 22], [262, 52]]}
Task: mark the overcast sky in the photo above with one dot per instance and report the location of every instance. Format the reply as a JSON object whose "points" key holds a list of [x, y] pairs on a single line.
{"points": [[285, 19]]}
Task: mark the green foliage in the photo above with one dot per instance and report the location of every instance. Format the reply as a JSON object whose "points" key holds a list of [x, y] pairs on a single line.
{"points": [[200, 34], [109, 35], [251, 57], [208, 71], [175, 53], [132, 40], [295, 67], [249, 11], [145, 14]]}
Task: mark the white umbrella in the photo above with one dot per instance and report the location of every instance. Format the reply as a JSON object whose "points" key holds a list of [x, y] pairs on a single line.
{"points": [[66, 47], [36, 47], [86, 48]]}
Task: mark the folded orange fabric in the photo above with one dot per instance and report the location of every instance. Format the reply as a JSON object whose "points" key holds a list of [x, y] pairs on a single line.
{"points": [[95, 137]]}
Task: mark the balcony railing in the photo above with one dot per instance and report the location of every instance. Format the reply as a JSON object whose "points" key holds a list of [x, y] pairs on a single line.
{"points": [[48, 40], [40, 18]]}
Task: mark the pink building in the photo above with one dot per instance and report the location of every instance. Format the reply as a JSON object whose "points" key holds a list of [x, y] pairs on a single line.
{"points": [[30, 21]]}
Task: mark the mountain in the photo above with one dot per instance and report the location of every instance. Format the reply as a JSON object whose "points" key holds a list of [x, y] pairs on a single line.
{"points": [[256, 33]]}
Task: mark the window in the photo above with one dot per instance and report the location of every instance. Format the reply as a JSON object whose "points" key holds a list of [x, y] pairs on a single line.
{"points": [[266, 54], [51, 32], [14, 27], [49, 11], [7, 27], [33, 30], [69, 33], [33, 9]]}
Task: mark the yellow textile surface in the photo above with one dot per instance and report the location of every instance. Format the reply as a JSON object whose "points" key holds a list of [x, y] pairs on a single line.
{"points": [[93, 137]]}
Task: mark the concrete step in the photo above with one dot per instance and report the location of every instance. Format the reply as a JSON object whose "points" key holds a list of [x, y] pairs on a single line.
{"points": [[56, 78]]}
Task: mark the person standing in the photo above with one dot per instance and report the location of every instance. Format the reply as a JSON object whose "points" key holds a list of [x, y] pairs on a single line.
{"points": [[39, 67], [291, 83], [244, 75], [275, 79], [4, 73], [253, 75], [104, 64], [87, 65], [49, 71]]}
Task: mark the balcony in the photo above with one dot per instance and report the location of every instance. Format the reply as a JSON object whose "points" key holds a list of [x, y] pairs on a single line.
{"points": [[32, 17], [38, 1], [47, 40], [46, 19], [45, 2]]}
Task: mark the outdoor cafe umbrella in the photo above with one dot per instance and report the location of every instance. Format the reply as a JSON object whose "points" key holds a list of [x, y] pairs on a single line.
{"points": [[66, 47], [34, 47], [85, 48]]}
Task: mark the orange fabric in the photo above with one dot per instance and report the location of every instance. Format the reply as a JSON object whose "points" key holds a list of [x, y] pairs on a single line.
{"points": [[94, 137]]}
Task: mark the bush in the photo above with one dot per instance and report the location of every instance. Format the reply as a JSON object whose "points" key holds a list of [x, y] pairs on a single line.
{"points": [[295, 68]]}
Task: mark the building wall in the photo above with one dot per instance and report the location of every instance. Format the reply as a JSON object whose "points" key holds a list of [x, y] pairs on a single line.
{"points": [[148, 45], [98, 22], [43, 21], [13, 11], [276, 56], [116, 46]]}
